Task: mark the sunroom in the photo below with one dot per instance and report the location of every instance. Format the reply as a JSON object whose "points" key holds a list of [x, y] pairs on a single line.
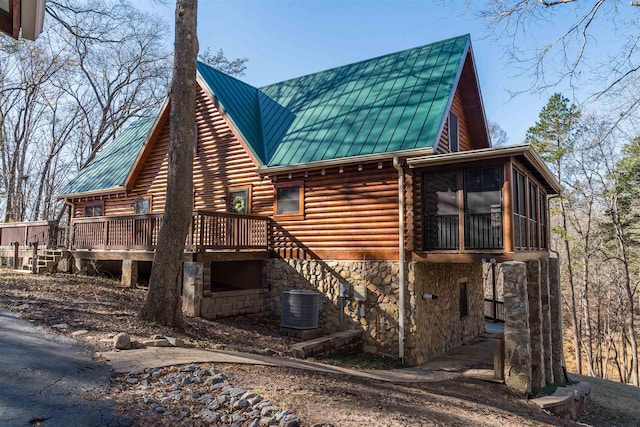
{"points": [[490, 202]]}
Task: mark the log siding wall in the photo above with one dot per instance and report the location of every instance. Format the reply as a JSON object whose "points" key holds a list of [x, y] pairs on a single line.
{"points": [[221, 162], [349, 215]]}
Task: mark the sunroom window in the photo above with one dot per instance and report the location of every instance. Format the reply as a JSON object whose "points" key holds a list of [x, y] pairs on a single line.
{"points": [[473, 198]]}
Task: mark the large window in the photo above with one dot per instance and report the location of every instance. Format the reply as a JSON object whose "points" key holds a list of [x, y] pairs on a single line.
{"points": [[476, 205], [441, 210], [519, 211], [529, 214], [483, 208]]}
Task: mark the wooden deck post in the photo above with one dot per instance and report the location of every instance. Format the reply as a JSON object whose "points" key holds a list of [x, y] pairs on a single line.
{"points": [[129, 277]]}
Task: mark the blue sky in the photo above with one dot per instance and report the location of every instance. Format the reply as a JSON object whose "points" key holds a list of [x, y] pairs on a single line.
{"points": [[284, 39]]}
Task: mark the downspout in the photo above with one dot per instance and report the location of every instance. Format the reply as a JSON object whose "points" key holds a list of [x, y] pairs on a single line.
{"points": [[397, 164]]}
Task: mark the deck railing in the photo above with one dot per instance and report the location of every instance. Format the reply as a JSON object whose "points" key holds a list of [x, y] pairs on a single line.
{"points": [[481, 231], [44, 233], [208, 231]]}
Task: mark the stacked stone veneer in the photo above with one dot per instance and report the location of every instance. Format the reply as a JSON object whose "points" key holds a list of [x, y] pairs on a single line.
{"points": [[436, 326], [533, 327], [234, 303], [432, 326]]}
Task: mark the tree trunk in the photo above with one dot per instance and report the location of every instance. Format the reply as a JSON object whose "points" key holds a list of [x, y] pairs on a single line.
{"points": [[163, 304]]}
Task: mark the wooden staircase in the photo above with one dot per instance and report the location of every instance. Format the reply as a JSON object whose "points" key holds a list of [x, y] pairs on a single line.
{"points": [[47, 260]]}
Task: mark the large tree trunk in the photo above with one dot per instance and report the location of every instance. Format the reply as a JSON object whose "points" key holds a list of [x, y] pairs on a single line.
{"points": [[163, 304]]}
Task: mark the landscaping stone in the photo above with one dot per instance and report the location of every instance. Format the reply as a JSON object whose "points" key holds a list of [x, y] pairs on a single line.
{"points": [[182, 396], [122, 341], [162, 342], [60, 326], [79, 333]]}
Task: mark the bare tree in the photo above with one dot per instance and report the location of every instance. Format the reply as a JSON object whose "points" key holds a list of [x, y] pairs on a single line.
{"points": [[163, 304], [220, 62], [121, 65], [497, 134], [563, 51]]}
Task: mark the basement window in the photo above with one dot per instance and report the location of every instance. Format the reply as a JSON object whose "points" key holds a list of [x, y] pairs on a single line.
{"points": [[464, 299]]}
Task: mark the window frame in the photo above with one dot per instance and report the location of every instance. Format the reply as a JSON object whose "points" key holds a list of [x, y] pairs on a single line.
{"points": [[289, 215], [135, 205], [463, 298], [93, 205], [454, 124], [535, 235], [247, 189]]}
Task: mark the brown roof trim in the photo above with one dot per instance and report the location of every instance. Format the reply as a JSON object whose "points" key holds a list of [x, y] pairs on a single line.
{"points": [[525, 150]]}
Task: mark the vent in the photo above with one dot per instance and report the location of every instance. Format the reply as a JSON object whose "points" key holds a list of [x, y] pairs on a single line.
{"points": [[299, 309]]}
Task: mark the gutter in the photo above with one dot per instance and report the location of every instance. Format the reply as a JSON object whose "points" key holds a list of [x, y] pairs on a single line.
{"points": [[525, 150], [397, 164], [270, 170]]}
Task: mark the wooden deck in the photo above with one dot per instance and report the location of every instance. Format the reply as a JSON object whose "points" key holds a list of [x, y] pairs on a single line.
{"points": [[212, 236]]}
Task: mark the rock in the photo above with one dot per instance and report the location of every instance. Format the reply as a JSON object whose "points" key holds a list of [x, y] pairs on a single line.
{"points": [[290, 420], [122, 341], [60, 326], [132, 380], [157, 337], [268, 411], [267, 421], [240, 404], [175, 342], [156, 343], [79, 333], [189, 368]]}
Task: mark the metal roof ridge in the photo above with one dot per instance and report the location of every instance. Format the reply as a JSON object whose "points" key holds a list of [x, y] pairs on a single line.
{"points": [[468, 36], [225, 74]]}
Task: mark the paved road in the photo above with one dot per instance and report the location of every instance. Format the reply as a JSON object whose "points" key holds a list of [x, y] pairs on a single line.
{"points": [[44, 376]]}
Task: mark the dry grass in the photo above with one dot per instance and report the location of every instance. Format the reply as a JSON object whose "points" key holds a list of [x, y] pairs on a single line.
{"points": [[612, 403]]}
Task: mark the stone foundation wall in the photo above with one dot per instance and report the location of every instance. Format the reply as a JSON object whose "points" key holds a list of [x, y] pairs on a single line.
{"points": [[435, 325], [432, 326], [234, 303], [377, 316]]}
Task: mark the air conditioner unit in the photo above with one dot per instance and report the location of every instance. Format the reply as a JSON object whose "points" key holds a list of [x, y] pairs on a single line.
{"points": [[299, 309]]}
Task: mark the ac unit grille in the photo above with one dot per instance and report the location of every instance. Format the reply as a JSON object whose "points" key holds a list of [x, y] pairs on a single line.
{"points": [[299, 309]]}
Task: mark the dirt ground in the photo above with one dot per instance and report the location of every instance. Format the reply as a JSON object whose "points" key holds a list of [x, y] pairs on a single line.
{"points": [[96, 305]]}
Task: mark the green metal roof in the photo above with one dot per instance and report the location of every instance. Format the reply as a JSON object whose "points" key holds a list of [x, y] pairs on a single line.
{"points": [[109, 169], [240, 101], [391, 103]]}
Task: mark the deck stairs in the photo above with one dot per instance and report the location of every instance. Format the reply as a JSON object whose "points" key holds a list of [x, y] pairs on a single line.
{"points": [[47, 261]]}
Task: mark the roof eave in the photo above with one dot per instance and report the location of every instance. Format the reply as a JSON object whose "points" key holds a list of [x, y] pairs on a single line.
{"points": [[104, 191], [128, 182], [525, 150], [272, 170]]}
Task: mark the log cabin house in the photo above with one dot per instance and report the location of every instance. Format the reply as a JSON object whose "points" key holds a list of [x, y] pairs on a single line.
{"points": [[373, 183]]}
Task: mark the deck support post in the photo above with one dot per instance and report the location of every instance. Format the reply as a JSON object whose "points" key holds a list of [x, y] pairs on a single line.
{"points": [[517, 336], [192, 287], [534, 294], [555, 309], [129, 277]]}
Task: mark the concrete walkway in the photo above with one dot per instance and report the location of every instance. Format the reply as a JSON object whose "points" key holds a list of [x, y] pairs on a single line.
{"points": [[464, 360]]}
